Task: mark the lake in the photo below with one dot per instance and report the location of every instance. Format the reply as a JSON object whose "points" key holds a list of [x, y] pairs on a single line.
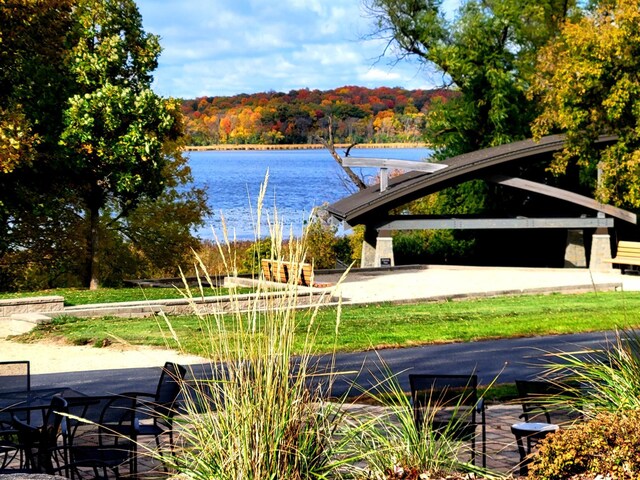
{"points": [[299, 180]]}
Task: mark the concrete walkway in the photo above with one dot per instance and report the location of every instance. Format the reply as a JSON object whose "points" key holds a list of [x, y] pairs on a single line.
{"points": [[451, 282]]}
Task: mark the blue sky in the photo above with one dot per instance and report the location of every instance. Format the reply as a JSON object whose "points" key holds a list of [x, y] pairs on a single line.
{"points": [[226, 47]]}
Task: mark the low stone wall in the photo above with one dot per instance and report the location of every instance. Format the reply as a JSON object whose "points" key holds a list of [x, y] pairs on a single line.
{"points": [[181, 306], [49, 304]]}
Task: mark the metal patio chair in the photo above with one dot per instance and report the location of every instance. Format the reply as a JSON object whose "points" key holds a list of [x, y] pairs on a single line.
{"points": [[449, 405], [156, 411], [43, 447], [100, 437], [15, 376]]}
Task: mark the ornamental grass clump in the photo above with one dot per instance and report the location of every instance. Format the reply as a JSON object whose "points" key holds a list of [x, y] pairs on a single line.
{"points": [[258, 411], [394, 447], [604, 379]]}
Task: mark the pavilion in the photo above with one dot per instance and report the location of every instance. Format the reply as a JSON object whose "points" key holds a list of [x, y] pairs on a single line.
{"points": [[501, 165]]}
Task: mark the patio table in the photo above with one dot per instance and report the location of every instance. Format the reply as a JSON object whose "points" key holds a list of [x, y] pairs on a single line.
{"points": [[29, 406], [35, 399]]}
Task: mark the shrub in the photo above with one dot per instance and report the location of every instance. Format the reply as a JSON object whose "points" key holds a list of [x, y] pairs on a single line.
{"points": [[255, 253], [321, 243], [608, 445]]}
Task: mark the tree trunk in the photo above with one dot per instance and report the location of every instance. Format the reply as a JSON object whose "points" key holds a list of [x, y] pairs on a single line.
{"points": [[357, 181], [94, 213]]}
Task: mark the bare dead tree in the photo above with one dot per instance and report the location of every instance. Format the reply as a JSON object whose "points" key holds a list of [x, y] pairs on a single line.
{"points": [[328, 144]]}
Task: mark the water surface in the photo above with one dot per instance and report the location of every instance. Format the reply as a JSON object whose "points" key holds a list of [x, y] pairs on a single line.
{"points": [[298, 181]]}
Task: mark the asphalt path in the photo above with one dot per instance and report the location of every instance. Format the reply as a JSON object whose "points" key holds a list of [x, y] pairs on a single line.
{"points": [[501, 360]]}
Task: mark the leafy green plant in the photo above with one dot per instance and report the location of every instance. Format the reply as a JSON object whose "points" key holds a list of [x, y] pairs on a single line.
{"points": [[321, 242], [607, 446], [257, 251]]}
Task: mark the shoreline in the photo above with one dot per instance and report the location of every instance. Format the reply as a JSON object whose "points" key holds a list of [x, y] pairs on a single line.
{"points": [[300, 146]]}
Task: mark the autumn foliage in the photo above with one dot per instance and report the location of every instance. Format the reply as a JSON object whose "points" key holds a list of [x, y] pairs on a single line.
{"points": [[354, 114]]}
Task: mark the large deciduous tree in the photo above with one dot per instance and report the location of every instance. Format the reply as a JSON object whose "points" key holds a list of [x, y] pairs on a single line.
{"points": [[96, 148], [588, 83], [31, 57], [484, 53], [115, 125]]}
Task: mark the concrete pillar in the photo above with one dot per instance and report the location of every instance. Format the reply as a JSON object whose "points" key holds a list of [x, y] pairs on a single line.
{"points": [[600, 251], [368, 256], [384, 250], [574, 253]]}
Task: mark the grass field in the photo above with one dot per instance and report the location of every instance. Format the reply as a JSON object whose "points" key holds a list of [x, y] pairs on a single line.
{"points": [[83, 296], [387, 325]]}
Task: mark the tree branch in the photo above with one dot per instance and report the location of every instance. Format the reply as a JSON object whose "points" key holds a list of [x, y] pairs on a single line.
{"points": [[357, 181]]}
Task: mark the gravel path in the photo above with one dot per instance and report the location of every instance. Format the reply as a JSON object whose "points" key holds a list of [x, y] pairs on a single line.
{"points": [[47, 357]]}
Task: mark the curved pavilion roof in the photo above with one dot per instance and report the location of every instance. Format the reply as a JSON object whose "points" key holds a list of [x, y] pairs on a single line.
{"points": [[371, 203]]}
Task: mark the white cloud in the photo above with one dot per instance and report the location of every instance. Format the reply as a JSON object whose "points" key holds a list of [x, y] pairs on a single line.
{"points": [[225, 47]]}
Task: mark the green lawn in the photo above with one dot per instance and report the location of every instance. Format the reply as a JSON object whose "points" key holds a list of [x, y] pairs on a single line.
{"points": [[83, 296], [388, 325]]}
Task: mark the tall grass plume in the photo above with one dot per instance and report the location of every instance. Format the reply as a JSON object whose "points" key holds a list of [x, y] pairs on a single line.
{"points": [[255, 413]]}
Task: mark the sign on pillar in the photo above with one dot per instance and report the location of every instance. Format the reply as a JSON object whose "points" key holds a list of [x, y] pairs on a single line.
{"points": [[384, 249]]}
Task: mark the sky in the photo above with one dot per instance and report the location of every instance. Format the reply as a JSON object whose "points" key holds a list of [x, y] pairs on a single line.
{"points": [[228, 47]]}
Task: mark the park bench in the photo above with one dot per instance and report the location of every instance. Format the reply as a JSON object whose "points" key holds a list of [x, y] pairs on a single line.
{"points": [[281, 271], [628, 253]]}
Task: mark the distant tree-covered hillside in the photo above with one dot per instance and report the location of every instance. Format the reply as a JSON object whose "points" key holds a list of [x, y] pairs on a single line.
{"points": [[354, 114]]}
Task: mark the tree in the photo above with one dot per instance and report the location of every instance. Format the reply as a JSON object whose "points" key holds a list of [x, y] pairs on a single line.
{"points": [[31, 36], [97, 147], [484, 54], [115, 126], [588, 83]]}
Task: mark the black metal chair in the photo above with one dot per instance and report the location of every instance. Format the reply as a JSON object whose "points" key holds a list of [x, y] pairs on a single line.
{"points": [[44, 452], [160, 408], [15, 376], [539, 399], [100, 436], [449, 405]]}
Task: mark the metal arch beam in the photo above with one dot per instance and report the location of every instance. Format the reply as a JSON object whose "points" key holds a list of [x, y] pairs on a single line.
{"points": [[413, 165], [364, 206], [561, 194], [410, 222], [384, 164]]}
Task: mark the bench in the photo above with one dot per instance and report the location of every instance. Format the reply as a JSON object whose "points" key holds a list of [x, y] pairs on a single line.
{"points": [[280, 271], [628, 253]]}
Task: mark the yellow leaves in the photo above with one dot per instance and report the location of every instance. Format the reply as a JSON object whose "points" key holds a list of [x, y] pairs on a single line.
{"points": [[16, 140], [620, 97], [587, 83]]}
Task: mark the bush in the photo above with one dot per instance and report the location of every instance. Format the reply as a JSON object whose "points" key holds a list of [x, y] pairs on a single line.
{"points": [[255, 253], [607, 445], [320, 239]]}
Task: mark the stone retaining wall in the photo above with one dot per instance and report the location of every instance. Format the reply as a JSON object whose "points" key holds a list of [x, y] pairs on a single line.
{"points": [[49, 304]]}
